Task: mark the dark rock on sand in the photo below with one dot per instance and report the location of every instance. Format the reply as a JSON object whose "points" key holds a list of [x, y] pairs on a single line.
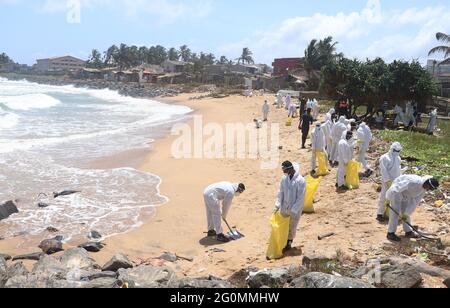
{"points": [[65, 193], [169, 257], [102, 283], [43, 205], [51, 246], [98, 275], [92, 246], [31, 256], [400, 277], [94, 235], [7, 209], [51, 267], [275, 278], [52, 230], [119, 261]]}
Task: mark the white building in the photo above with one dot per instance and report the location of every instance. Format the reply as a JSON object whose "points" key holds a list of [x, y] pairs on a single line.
{"points": [[66, 63]]}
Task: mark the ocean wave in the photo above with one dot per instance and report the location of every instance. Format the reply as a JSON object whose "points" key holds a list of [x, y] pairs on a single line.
{"points": [[8, 120], [29, 101]]}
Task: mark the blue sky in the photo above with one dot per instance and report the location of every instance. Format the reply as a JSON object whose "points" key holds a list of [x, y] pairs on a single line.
{"points": [[366, 28]]}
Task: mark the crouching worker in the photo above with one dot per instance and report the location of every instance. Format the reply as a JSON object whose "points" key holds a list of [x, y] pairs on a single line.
{"points": [[215, 194], [291, 199], [405, 194]]}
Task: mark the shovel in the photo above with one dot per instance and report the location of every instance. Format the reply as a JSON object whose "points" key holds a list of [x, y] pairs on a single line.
{"points": [[234, 234]]}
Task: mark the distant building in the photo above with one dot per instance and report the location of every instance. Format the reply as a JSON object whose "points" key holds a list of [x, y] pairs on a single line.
{"points": [[283, 66], [441, 74], [66, 63], [170, 66]]}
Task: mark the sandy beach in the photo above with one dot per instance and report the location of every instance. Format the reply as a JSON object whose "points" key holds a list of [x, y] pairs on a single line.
{"points": [[179, 225]]}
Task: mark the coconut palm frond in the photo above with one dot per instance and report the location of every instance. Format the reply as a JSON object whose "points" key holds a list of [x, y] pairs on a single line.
{"points": [[439, 49], [442, 37]]}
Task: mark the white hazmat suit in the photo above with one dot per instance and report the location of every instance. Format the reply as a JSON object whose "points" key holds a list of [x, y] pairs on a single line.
{"points": [[291, 199], [336, 134], [318, 145], [405, 195], [265, 110], [345, 149], [433, 121], [315, 109], [215, 194], [364, 138], [400, 115], [288, 102], [390, 169]]}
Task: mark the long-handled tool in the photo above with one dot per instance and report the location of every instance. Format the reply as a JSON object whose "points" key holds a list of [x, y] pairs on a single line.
{"points": [[234, 234], [421, 234]]}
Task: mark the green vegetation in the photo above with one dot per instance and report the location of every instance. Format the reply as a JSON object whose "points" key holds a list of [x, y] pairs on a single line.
{"points": [[431, 151], [5, 59]]}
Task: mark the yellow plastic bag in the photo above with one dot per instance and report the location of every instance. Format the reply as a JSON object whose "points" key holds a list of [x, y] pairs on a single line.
{"points": [[352, 176], [323, 166], [311, 187], [279, 236], [289, 121]]}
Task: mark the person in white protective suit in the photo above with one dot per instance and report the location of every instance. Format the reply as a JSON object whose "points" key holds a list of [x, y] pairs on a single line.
{"points": [[400, 115], [214, 195], [316, 109], [265, 110], [292, 110], [288, 102], [279, 101], [409, 115], [291, 199], [336, 134], [327, 128], [345, 149], [318, 145], [364, 138], [433, 120], [405, 194], [390, 169]]}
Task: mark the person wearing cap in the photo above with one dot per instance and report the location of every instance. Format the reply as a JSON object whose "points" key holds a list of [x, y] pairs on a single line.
{"points": [[390, 169], [345, 150], [405, 194], [318, 145], [265, 110], [291, 198], [214, 195]]}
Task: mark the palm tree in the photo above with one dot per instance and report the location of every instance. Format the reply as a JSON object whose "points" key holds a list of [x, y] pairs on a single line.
{"points": [[95, 60], [246, 57], [186, 53], [445, 49]]}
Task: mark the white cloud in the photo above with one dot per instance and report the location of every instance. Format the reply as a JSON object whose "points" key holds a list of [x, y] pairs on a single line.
{"points": [[370, 32]]}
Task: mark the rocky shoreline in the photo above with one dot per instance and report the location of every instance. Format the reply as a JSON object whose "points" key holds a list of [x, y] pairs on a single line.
{"points": [[76, 269]]}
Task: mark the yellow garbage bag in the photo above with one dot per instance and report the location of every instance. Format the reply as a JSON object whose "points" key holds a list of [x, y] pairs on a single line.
{"points": [[323, 164], [311, 187], [279, 236], [352, 175], [289, 121]]}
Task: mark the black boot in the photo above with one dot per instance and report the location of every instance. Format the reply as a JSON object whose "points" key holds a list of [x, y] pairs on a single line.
{"points": [[211, 233], [393, 237], [222, 238], [288, 246], [381, 218]]}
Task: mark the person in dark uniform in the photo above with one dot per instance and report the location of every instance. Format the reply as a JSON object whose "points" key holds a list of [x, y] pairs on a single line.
{"points": [[306, 120], [303, 103]]}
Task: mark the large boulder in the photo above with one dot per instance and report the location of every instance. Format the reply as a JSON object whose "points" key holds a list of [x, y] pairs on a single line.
{"points": [[201, 283], [117, 262], [7, 209], [274, 278], [102, 283], [317, 280], [98, 275], [78, 259], [3, 272], [51, 246], [447, 282], [400, 276], [92, 246], [35, 281], [94, 235], [147, 277], [50, 267], [17, 269]]}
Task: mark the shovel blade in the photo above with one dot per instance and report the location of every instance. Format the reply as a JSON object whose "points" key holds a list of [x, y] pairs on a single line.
{"points": [[235, 235]]}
